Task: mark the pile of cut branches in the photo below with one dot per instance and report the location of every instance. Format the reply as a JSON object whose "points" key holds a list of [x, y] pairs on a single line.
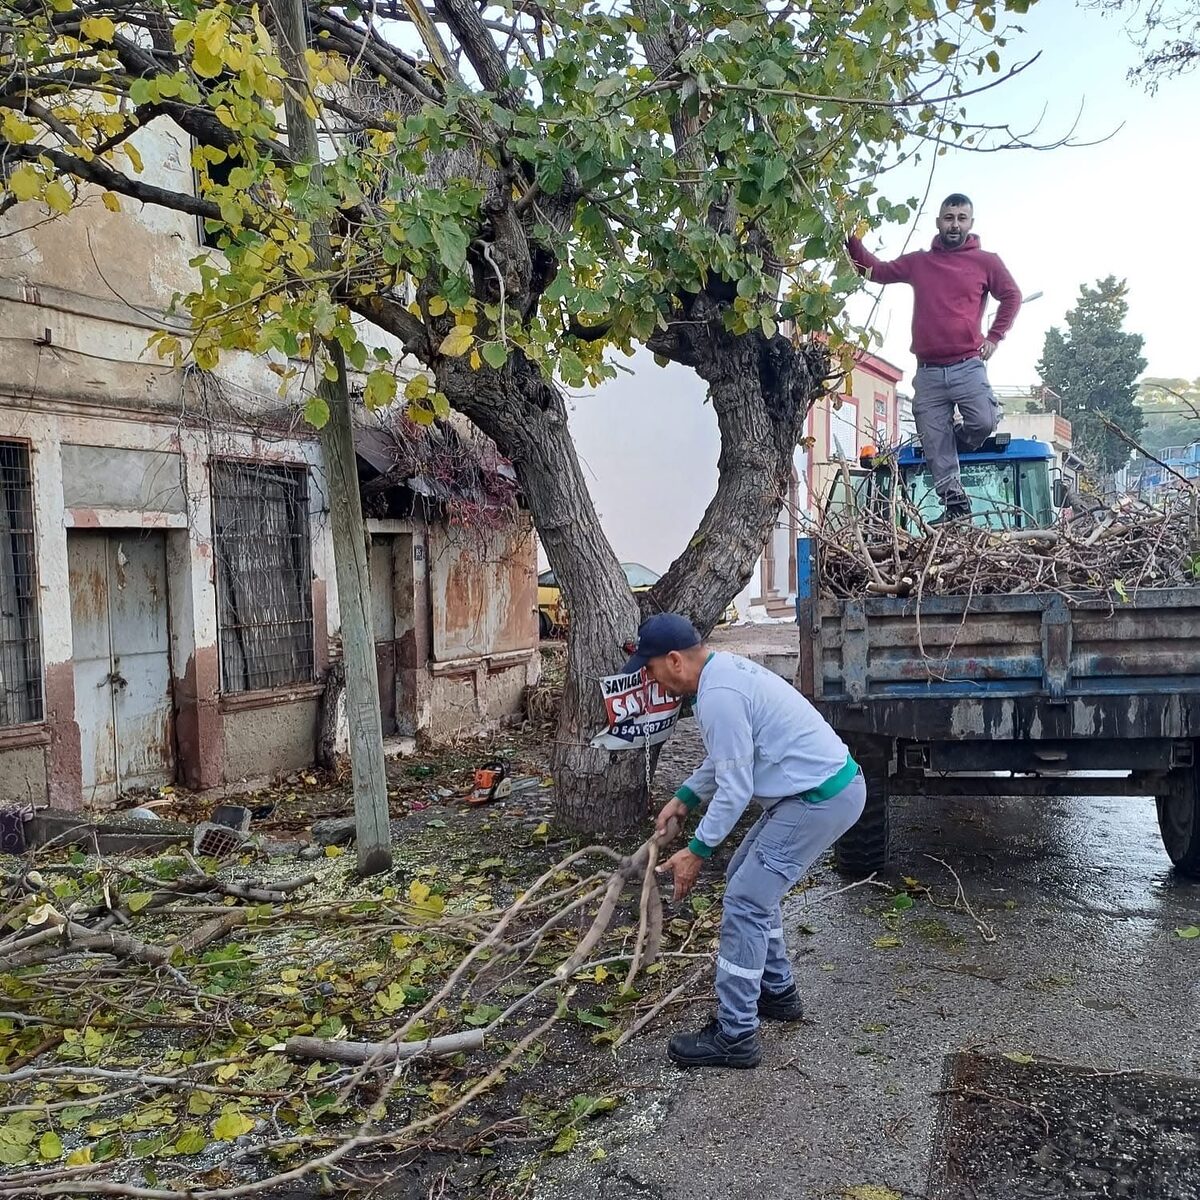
{"points": [[1122, 547], [163, 1019]]}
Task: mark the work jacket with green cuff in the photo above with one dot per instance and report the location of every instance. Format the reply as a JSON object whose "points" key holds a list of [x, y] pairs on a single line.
{"points": [[763, 740]]}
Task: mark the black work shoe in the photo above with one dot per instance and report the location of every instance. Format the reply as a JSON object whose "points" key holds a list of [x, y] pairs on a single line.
{"points": [[781, 1006], [956, 511], [711, 1048]]}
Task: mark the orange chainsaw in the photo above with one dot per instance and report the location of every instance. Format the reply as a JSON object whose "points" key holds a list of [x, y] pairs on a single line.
{"points": [[492, 782]]}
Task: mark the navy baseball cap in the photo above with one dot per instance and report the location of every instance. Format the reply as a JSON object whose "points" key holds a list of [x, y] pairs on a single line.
{"points": [[660, 634]]}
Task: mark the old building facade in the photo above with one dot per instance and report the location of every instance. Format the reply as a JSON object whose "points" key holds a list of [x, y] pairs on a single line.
{"points": [[168, 601]]}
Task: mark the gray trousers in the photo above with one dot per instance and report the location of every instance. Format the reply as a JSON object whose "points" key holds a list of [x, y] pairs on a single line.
{"points": [[780, 848], [937, 392]]}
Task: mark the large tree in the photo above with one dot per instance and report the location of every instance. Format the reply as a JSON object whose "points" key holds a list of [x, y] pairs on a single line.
{"points": [[1092, 370], [514, 191]]}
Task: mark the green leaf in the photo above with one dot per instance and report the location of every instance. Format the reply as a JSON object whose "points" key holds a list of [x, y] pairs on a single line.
{"points": [[50, 1146], [944, 51], [192, 1141], [316, 412], [902, 902], [451, 241], [887, 941], [380, 390], [565, 1141], [136, 901], [1188, 932], [586, 1017], [1019, 1056], [495, 354]]}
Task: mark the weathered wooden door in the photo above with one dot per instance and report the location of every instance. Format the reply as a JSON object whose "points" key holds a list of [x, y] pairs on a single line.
{"points": [[121, 650]]}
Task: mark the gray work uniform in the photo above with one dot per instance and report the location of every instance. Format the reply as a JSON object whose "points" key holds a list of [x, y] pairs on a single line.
{"points": [[937, 391], [764, 742]]}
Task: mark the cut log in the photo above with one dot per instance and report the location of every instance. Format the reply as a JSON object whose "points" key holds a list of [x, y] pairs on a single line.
{"points": [[360, 1052]]}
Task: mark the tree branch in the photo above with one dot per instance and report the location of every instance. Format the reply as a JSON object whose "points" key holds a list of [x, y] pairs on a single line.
{"points": [[112, 180], [392, 317]]}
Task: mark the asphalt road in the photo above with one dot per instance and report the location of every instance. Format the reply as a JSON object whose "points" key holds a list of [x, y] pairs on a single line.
{"points": [[1069, 953]]}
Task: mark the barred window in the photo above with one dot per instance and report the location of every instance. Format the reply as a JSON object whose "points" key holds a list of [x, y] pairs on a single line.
{"points": [[264, 577], [20, 629]]}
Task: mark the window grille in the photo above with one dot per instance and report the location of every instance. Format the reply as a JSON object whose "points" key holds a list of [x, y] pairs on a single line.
{"points": [[20, 628], [264, 576]]}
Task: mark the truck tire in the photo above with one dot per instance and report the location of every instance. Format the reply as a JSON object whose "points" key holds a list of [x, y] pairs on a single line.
{"points": [[1179, 821], [865, 846]]}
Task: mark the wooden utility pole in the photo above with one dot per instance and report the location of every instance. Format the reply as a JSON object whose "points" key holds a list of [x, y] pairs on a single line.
{"points": [[349, 542]]}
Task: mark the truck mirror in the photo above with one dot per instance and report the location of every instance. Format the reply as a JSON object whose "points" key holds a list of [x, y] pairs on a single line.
{"points": [[1060, 493]]}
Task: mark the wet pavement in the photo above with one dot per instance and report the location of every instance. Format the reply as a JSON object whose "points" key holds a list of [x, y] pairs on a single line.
{"points": [[1069, 955]]}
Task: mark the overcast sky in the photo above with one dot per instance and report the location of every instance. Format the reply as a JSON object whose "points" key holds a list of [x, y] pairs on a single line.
{"points": [[1069, 216]]}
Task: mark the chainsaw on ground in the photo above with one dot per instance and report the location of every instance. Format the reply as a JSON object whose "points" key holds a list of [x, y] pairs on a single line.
{"points": [[492, 782]]}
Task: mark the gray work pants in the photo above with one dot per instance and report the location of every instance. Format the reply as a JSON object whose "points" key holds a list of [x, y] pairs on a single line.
{"points": [[937, 392], [780, 848]]}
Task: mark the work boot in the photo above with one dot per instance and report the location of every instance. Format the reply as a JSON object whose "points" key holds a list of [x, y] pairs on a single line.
{"points": [[955, 511], [711, 1048], [781, 1006]]}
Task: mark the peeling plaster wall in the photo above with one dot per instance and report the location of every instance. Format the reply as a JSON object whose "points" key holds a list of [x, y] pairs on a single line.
{"points": [[23, 775], [115, 461], [121, 440], [465, 621], [263, 742]]}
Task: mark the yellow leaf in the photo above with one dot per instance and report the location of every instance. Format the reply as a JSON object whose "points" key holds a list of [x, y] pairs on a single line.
{"points": [[205, 63], [437, 305], [131, 152], [50, 1146], [418, 892], [334, 851], [111, 202], [97, 29], [25, 183], [15, 128], [80, 1158], [475, 361], [231, 1124], [417, 388], [457, 342], [440, 1093]]}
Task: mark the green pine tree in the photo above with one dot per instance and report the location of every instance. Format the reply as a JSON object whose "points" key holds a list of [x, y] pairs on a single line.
{"points": [[1093, 369]]}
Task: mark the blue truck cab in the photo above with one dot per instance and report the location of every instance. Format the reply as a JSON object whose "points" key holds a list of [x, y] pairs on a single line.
{"points": [[1002, 695], [1012, 483]]}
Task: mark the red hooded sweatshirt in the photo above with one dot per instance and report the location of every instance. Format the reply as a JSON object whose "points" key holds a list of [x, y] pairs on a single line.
{"points": [[950, 293]]}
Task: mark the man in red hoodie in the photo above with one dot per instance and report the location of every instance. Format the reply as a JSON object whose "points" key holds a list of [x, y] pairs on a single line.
{"points": [[951, 283]]}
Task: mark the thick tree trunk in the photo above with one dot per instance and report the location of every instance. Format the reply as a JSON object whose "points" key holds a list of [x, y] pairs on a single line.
{"points": [[761, 390], [596, 791]]}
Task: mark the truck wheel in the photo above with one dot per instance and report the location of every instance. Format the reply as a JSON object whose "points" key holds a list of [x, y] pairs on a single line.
{"points": [[545, 629], [865, 847], [1179, 822]]}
